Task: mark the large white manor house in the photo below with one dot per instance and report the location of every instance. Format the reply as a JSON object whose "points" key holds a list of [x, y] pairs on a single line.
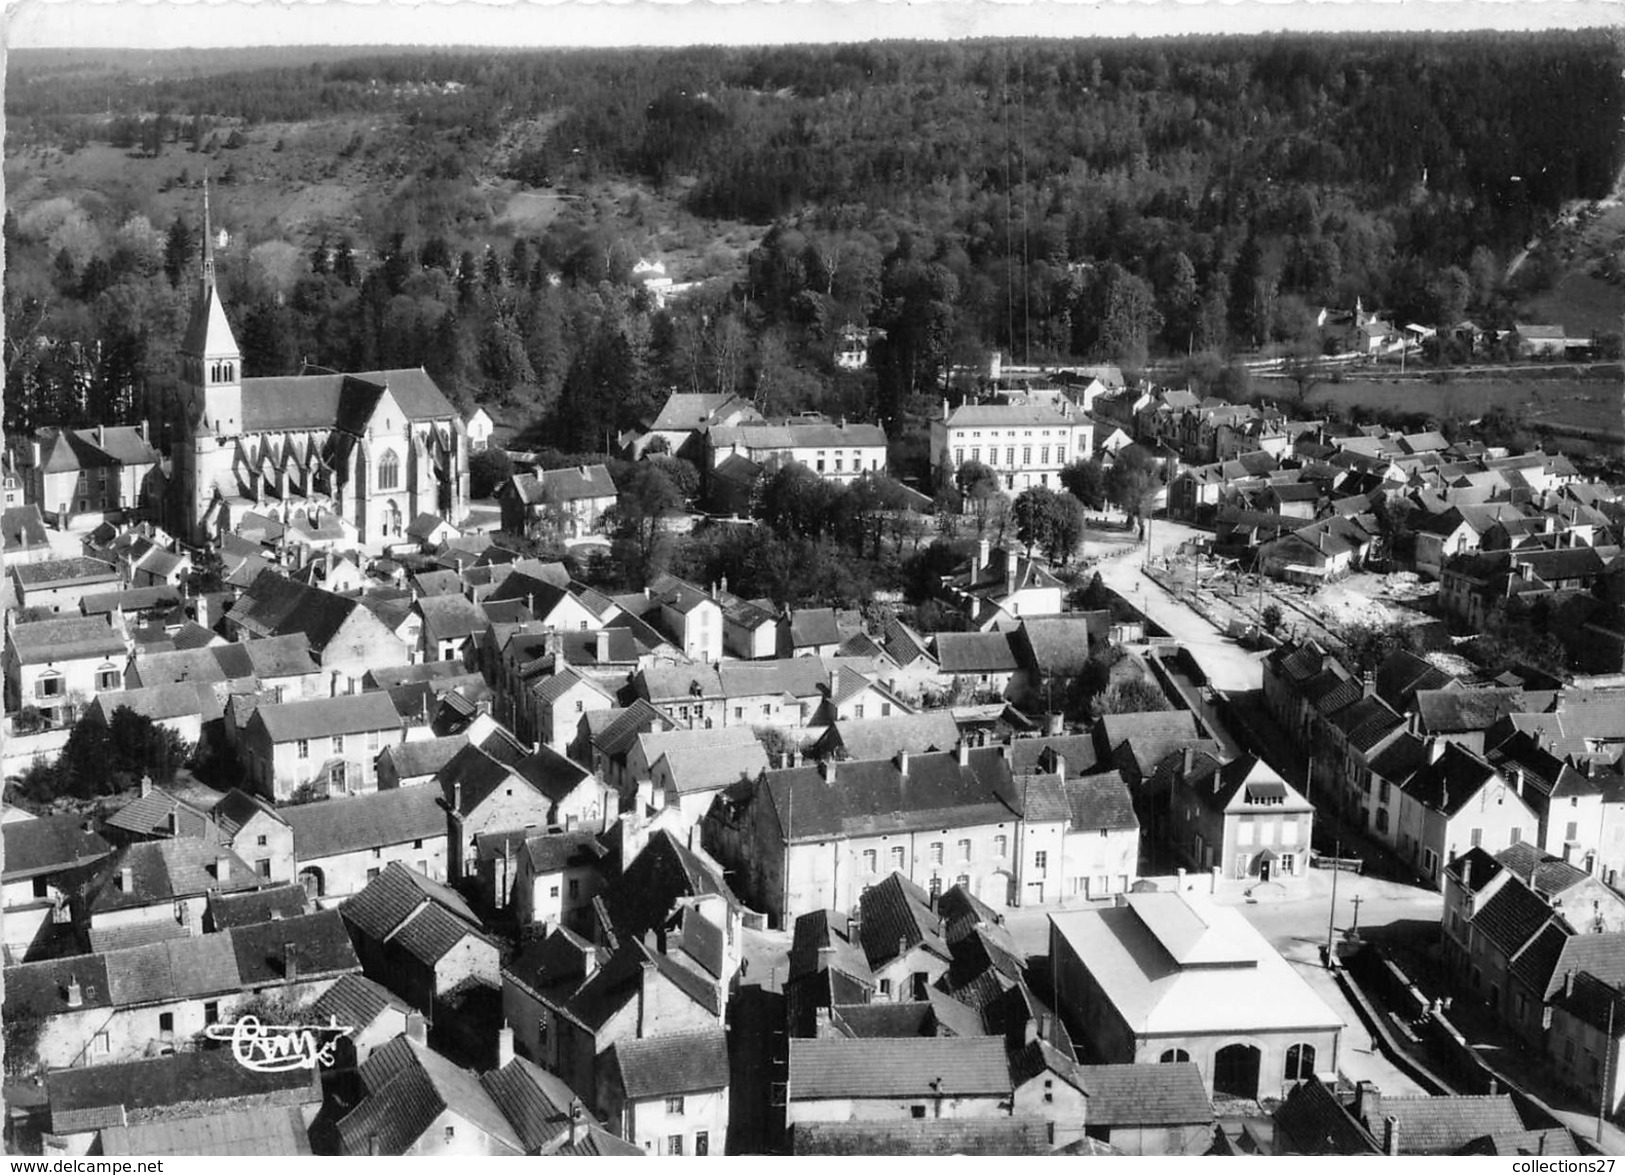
{"points": [[362, 453]]}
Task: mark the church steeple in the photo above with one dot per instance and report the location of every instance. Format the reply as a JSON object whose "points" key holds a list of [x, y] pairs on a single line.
{"points": [[211, 363]]}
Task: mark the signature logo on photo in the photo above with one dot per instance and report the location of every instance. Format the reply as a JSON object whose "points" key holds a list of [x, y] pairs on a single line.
{"points": [[276, 1048]]}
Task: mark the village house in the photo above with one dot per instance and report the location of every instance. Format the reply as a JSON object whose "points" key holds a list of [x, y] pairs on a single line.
{"points": [[690, 779], [946, 819], [343, 843], [412, 764], [1455, 801], [26, 540], [257, 833], [450, 625], [46, 859], [859, 1079], [1001, 586], [61, 585], [373, 1013], [1169, 977], [124, 1004], [418, 937], [684, 420], [80, 476], [840, 453], [669, 1093], [153, 890], [556, 877], [985, 664], [329, 745], [343, 635], [1240, 817], [571, 502]]}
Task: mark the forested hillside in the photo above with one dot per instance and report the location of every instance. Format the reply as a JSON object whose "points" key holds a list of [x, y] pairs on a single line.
{"points": [[1096, 200]]}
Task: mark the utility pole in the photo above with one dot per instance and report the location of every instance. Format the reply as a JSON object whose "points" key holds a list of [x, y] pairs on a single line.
{"points": [[1607, 1056], [1331, 917]]}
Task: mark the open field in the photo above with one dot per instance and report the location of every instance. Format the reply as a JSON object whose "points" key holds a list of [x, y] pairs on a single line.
{"points": [[1596, 406]]}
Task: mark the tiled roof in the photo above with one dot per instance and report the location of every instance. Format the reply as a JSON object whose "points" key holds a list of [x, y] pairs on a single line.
{"points": [[1443, 1125], [161, 871], [1450, 781], [79, 569], [182, 1084], [1545, 874], [912, 1018], [1046, 752], [878, 738], [701, 769], [1512, 917], [451, 617], [533, 1100], [1100, 801], [596, 1142], [922, 1067], [1442, 711], [1311, 1121], [990, 1137], [1150, 736], [321, 947], [71, 638], [820, 939], [1536, 963], [1129, 1096], [228, 910], [897, 917], [424, 756], [1599, 955], [650, 885], [194, 966], [391, 898], [328, 828], [872, 796], [1366, 722], [261, 1131], [976, 652], [667, 1065], [407, 1087], [324, 717], [355, 1001], [431, 933]]}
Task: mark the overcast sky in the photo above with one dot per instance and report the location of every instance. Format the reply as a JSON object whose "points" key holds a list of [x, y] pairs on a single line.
{"points": [[175, 23]]}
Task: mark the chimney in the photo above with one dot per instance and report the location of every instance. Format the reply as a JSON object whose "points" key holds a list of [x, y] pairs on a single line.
{"points": [[1188, 761], [902, 764], [1010, 568], [1390, 1135], [76, 993], [222, 868], [964, 751], [146, 786], [1055, 724], [290, 963], [1516, 776], [504, 1046], [1568, 987], [1367, 1104], [126, 880], [826, 770], [1436, 748], [984, 551], [142, 429], [602, 652], [101, 436], [416, 1029], [724, 585], [1368, 684], [201, 612], [944, 416], [1057, 762], [648, 972], [575, 1121], [457, 796], [373, 1148]]}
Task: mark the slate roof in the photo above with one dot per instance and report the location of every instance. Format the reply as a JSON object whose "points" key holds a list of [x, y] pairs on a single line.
{"points": [[329, 828], [41, 988], [897, 917], [872, 796], [1444, 711], [1450, 781], [1060, 645], [666, 1065], [798, 677], [976, 652], [920, 1067], [878, 738], [1150, 737], [451, 617], [821, 940], [912, 1018], [1542, 872], [1443, 1125], [424, 756], [292, 403], [274, 605], [574, 484], [158, 702], [1034, 754], [810, 627], [49, 844], [1601, 956], [394, 896], [990, 1137], [1128, 1096], [23, 528]]}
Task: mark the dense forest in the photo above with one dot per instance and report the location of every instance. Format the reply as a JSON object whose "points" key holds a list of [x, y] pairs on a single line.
{"points": [[1118, 201]]}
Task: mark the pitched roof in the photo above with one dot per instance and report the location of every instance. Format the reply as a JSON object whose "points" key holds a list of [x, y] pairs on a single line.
{"points": [[651, 883], [394, 896], [1100, 801], [79, 569], [163, 870], [355, 1002], [1128, 1096], [878, 738], [185, 1084], [813, 626], [289, 403], [667, 1065], [858, 1067], [50, 844], [1451, 780], [535, 1101], [700, 769], [321, 947], [873, 796], [328, 828], [259, 1131], [991, 1137], [1443, 1125], [70, 638], [897, 917], [977, 652], [1443, 711], [423, 756], [1511, 917], [407, 1086], [1311, 1121], [229, 910]]}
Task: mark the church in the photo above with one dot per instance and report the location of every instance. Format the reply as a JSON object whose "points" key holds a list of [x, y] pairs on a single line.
{"points": [[362, 454]]}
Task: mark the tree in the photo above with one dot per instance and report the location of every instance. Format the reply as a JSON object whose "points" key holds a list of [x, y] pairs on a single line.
{"points": [[1136, 695], [1270, 617], [1086, 481], [1050, 521], [647, 496], [177, 251], [978, 486], [1132, 480], [487, 471]]}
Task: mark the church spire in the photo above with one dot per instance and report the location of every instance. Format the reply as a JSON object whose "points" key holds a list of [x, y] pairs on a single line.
{"points": [[208, 235]]}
